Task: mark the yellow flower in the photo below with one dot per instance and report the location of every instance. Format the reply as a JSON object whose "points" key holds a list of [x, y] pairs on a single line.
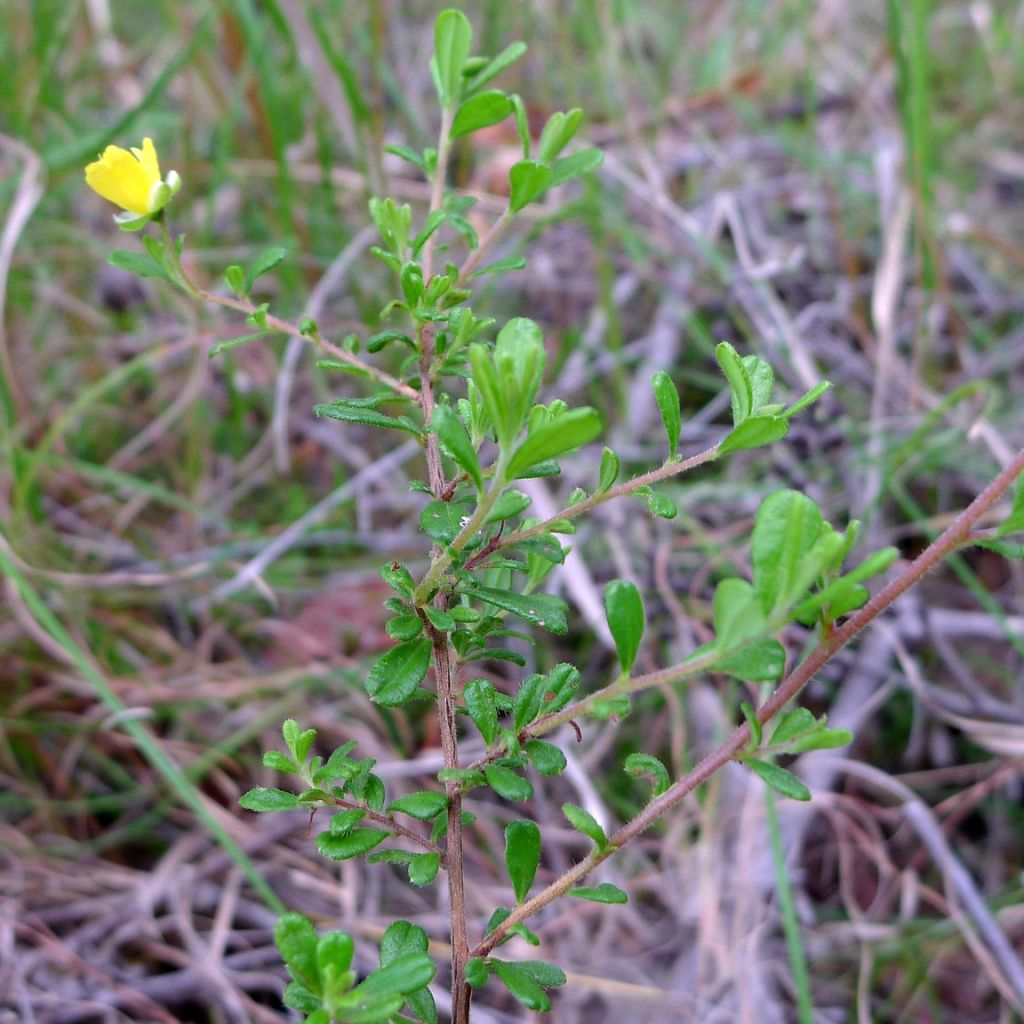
{"points": [[132, 180]]}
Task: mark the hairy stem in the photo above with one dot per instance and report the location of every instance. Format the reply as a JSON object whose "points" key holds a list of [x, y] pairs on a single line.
{"points": [[945, 544], [281, 325], [437, 192], [455, 869], [443, 657], [486, 244], [387, 821], [670, 469]]}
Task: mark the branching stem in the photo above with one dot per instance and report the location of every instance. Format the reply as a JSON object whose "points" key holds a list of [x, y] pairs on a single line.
{"points": [[281, 325], [944, 544], [670, 469]]}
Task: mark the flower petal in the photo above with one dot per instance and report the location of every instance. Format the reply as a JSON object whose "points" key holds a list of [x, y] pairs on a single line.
{"points": [[148, 159], [119, 177]]}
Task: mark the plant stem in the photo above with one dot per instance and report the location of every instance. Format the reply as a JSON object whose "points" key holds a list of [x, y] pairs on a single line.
{"points": [[940, 548], [486, 243], [443, 660], [455, 869], [670, 469], [443, 559], [437, 192], [619, 688], [279, 324], [388, 822]]}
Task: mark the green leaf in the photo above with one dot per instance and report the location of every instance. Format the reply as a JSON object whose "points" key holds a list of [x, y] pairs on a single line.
{"points": [[299, 997], [762, 661], [379, 341], [450, 431], [609, 471], [228, 343], [823, 739], [138, 263], [404, 974], [568, 168], [442, 520], [477, 972], [522, 856], [560, 686], [546, 758], [661, 506], [522, 123], [529, 700], [423, 805], [783, 782], [235, 280], [794, 722], [398, 578], [422, 1004], [481, 111], [528, 180], [786, 529], [543, 973], [583, 821], [603, 893], [279, 762], [508, 505], [507, 783], [441, 620], [401, 857], [755, 433], [344, 821], [479, 697], [423, 868], [501, 266], [396, 675], [380, 1010], [352, 844], [298, 740], [296, 940], [739, 383], [543, 610], [494, 67], [434, 220], [625, 612], [348, 412], [762, 382], [416, 159], [667, 396], [334, 952], [737, 614], [263, 263], [453, 37], [269, 799], [558, 436], [401, 938], [648, 766], [752, 720], [1014, 522], [521, 985], [404, 627], [845, 593], [557, 134], [807, 398], [500, 916]]}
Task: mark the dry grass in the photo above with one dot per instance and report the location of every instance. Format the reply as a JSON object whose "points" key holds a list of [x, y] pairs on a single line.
{"points": [[774, 177]]}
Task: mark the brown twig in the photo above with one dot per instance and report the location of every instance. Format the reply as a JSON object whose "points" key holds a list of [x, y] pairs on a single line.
{"points": [[943, 545], [665, 472], [387, 821]]}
